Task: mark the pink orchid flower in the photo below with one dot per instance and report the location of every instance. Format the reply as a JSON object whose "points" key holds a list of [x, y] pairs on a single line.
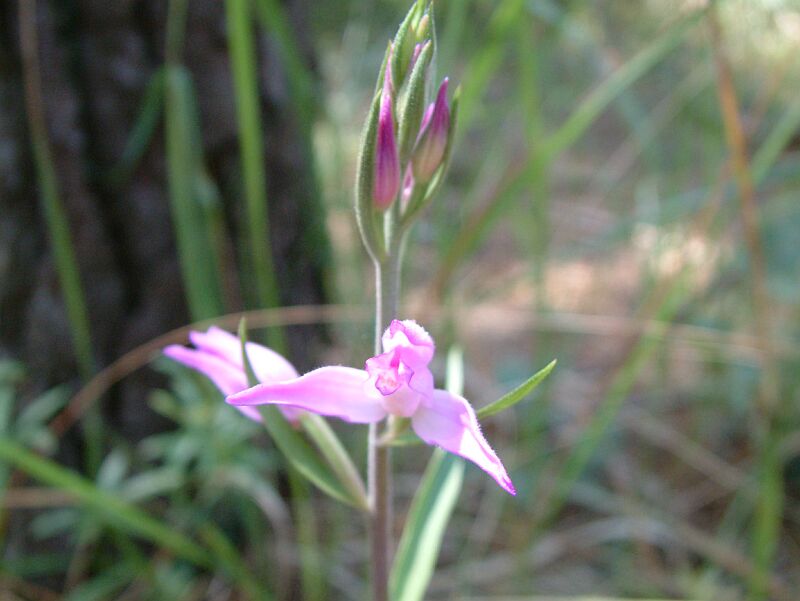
{"points": [[218, 356], [397, 382]]}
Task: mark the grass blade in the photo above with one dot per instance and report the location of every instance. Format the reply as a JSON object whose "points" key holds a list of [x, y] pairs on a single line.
{"points": [[195, 250], [770, 150], [109, 507], [302, 456], [332, 449], [553, 145], [244, 64], [143, 130], [273, 17], [47, 183], [228, 557]]}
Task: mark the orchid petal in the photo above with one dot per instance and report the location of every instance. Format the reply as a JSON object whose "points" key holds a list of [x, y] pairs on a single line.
{"points": [[225, 376], [448, 420], [332, 391], [267, 364]]}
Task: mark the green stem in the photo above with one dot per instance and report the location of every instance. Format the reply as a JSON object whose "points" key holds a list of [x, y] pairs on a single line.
{"points": [[387, 293]]}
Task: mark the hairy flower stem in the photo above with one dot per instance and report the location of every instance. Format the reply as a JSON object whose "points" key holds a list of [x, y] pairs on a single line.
{"points": [[387, 292]]}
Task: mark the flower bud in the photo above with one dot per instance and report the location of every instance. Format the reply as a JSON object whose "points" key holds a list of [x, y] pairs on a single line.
{"points": [[423, 28], [415, 56], [432, 139], [387, 163]]}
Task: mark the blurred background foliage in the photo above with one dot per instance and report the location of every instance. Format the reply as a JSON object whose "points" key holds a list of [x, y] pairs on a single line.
{"points": [[623, 197]]}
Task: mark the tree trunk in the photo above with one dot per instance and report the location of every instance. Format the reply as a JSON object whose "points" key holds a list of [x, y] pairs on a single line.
{"points": [[95, 61]]}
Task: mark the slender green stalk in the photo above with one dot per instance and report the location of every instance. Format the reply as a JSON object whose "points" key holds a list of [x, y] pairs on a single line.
{"points": [[57, 224], [243, 64], [387, 293], [191, 222], [769, 511], [142, 133], [176, 30], [55, 216], [198, 265]]}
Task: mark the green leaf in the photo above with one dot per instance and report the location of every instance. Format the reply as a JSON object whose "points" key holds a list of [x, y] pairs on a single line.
{"points": [[430, 511], [520, 392], [302, 456], [427, 519], [336, 455], [226, 554]]}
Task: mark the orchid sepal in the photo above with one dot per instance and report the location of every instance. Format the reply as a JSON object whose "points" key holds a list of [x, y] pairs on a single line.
{"points": [[386, 181], [413, 103], [404, 41], [424, 193], [367, 218]]}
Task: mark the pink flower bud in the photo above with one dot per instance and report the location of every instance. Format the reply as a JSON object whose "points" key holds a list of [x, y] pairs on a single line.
{"points": [[387, 162], [415, 56], [432, 140]]}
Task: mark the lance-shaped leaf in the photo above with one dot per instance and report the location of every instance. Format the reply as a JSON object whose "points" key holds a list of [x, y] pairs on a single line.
{"points": [[430, 511], [520, 392]]}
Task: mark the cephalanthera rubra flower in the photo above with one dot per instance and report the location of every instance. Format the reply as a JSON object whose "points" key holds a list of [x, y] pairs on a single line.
{"points": [[397, 382]]}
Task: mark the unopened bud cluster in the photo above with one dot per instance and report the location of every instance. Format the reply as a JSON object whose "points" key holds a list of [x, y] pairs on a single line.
{"points": [[407, 136]]}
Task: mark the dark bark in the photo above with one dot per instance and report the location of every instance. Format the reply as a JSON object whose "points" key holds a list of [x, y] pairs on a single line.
{"points": [[96, 60]]}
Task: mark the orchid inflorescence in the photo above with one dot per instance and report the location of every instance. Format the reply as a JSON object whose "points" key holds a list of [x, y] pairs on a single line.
{"points": [[404, 155]]}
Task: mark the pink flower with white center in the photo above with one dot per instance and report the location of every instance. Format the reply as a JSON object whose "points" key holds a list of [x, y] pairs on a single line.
{"points": [[218, 356], [397, 382]]}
